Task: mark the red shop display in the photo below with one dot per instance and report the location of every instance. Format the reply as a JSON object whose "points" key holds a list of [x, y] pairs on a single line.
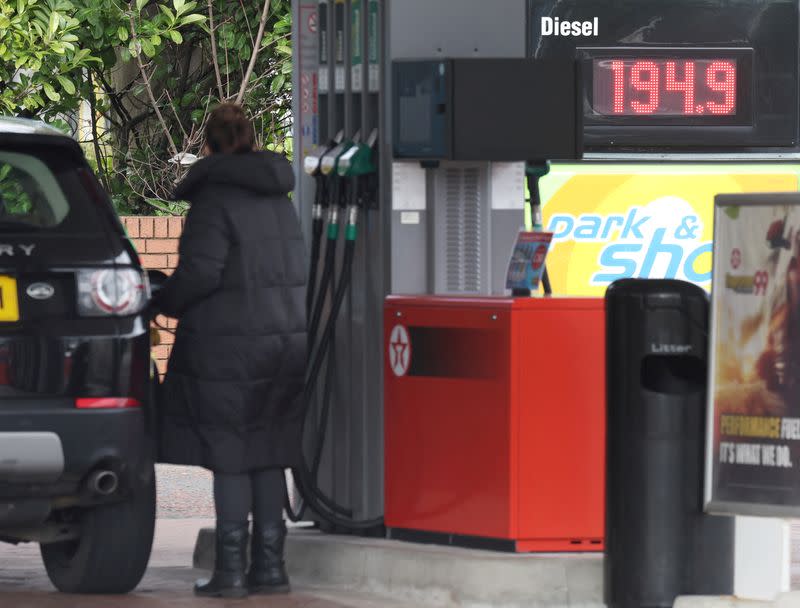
{"points": [[495, 422]]}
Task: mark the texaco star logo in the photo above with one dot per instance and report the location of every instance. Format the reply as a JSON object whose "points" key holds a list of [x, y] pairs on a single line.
{"points": [[399, 351], [736, 258]]}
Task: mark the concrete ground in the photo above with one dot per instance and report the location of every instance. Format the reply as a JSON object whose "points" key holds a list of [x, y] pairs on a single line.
{"points": [[185, 505], [168, 582], [184, 492]]}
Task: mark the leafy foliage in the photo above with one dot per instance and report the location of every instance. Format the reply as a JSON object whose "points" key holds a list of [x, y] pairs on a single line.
{"points": [[150, 72], [14, 200], [41, 56]]}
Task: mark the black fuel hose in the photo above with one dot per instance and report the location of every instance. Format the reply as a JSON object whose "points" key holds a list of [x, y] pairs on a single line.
{"points": [[318, 222], [327, 282], [328, 269], [328, 285], [345, 277], [322, 428], [312, 495], [306, 477]]}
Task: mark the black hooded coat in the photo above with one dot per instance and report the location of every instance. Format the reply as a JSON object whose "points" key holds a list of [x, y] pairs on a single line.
{"points": [[231, 399]]}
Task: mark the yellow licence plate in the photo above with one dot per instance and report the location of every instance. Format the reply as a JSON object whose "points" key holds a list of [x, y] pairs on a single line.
{"points": [[9, 304]]}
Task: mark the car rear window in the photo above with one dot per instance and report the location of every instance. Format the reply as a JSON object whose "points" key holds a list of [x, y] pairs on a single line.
{"points": [[41, 188], [29, 193]]}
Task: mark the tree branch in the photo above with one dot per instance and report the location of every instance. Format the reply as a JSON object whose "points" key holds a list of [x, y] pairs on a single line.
{"points": [[112, 95], [148, 87], [101, 170], [214, 48], [247, 22], [175, 112], [256, 48], [227, 74]]}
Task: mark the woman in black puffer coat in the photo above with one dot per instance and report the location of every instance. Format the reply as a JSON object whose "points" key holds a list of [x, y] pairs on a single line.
{"points": [[231, 400]]}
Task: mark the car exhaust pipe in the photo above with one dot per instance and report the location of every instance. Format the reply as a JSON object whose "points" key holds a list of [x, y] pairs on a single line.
{"points": [[103, 483]]}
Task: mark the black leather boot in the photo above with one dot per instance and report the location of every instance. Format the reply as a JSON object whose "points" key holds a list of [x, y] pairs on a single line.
{"points": [[228, 579], [267, 571]]}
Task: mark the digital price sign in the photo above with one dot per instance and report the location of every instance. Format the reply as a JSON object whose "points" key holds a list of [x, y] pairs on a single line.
{"points": [[664, 87], [668, 87]]}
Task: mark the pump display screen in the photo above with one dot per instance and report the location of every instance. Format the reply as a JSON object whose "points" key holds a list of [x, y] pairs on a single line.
{"points": [[627, 86]]}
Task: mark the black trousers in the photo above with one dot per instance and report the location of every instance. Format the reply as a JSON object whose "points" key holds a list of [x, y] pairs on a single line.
{"points": [[262, 493]]}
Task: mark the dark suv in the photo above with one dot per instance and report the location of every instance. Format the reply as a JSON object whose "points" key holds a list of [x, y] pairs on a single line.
{"points": [[77, 426]]}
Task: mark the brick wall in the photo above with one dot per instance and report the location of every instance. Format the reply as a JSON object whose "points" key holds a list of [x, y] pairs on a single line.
{"points": [[156, 240]]}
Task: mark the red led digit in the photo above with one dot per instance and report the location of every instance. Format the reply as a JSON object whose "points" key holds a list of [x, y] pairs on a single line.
{"points": [[618, 68], [721, 77], [649, 86], [686, 85]]}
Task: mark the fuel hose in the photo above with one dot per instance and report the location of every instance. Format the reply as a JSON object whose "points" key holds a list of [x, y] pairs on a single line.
{"points": [[317, 225], [313, 496]]}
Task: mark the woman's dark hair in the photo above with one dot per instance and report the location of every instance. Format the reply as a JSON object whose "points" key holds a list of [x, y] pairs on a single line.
{"points": [[229, 131]]}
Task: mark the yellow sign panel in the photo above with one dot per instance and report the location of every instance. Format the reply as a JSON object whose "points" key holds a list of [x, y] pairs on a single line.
{"points": [[638, 222]]}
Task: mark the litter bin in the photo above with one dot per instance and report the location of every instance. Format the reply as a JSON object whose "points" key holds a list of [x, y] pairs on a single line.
{"points": [[659, 543]]}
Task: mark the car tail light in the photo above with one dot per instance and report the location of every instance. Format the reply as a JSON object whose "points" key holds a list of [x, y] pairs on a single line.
{"points": [[111, 291], [106, 403]]}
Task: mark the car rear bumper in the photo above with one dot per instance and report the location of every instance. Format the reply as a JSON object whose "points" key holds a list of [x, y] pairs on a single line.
{"points": [[51, 453]]}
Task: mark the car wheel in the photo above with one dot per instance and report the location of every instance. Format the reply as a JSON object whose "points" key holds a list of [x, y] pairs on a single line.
{"points": [[112, 552]]}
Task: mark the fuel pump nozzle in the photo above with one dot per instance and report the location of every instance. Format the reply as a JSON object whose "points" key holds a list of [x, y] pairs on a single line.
{"points": [[356, 164], [312, 165], [313, 162], [534, 171], [329, 168]]}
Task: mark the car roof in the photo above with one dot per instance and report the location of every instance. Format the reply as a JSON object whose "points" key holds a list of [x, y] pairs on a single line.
{"points": [[26, 126]]}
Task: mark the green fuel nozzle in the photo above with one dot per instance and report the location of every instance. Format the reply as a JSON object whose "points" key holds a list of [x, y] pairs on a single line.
{"points": [[359, 162]]}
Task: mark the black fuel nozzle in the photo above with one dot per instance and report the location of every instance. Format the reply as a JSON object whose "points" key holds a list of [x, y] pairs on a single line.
{"points": [[312, 165], [534, 171]]}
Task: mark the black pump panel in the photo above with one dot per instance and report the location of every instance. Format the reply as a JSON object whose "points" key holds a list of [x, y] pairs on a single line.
{"points": [[498, 109]]}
